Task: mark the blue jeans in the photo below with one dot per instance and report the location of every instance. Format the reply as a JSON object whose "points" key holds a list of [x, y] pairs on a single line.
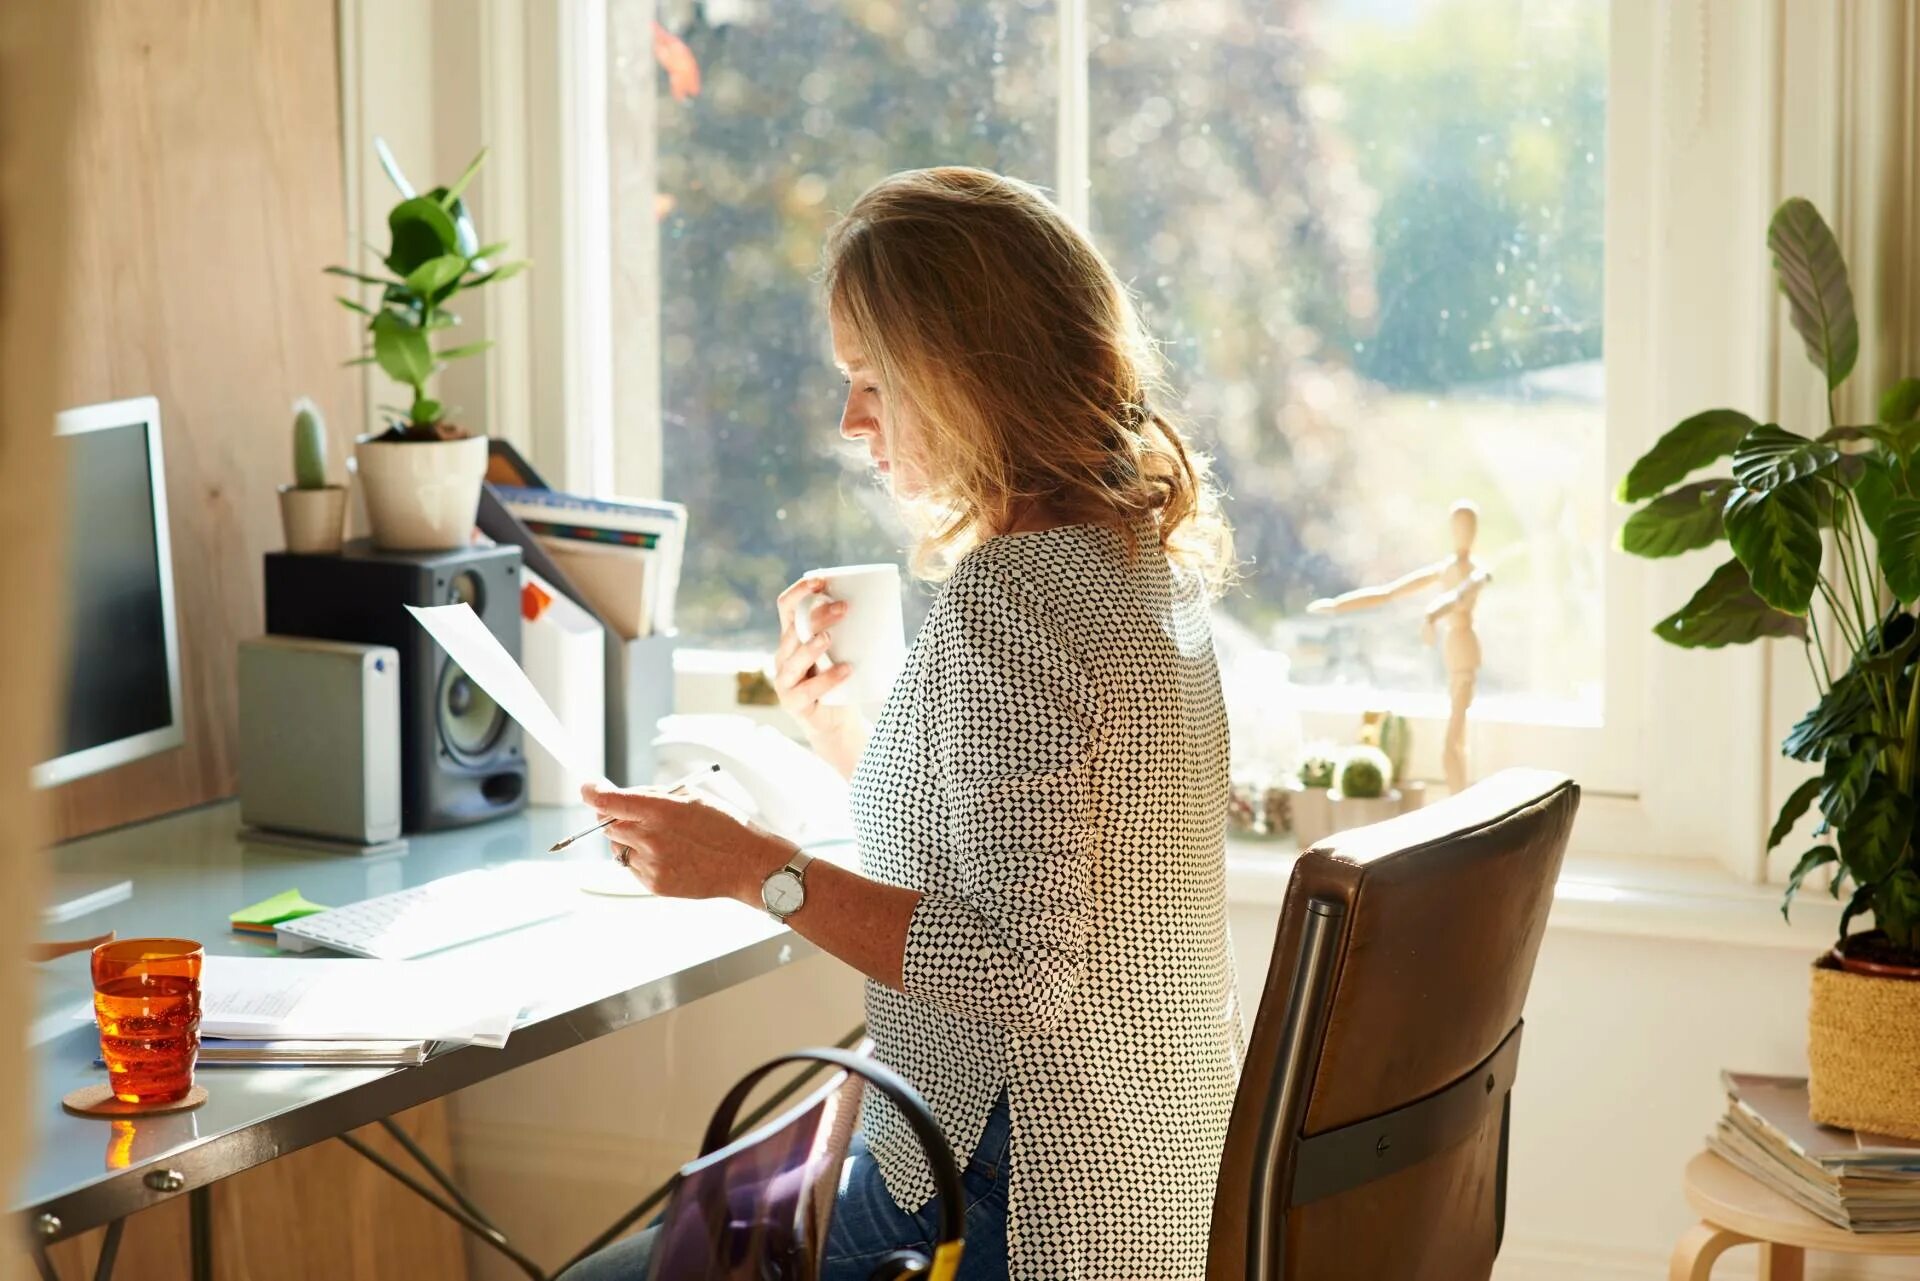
{"points": [[867, 1225]]}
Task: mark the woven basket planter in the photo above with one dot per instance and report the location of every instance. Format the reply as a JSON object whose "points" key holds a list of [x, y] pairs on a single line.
{"points": [[1863, 1051]]}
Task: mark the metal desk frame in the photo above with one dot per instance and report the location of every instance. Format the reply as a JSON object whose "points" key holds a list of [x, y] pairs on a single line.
{"points": [[194, 1171]]}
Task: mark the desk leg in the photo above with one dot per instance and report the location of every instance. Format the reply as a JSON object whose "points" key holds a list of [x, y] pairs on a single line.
{"points": [[1696, 1252], [479, 1228], [200, 1214], [109, 1251], [1782, 1263]]}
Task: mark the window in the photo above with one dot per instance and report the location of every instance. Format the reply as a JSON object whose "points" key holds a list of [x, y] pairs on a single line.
{"points": [[1369, 238], [1368, 233], [1301, 193], [771, 118]]}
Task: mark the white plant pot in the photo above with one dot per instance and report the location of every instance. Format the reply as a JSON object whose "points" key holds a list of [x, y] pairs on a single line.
{"points": [[313, 519], [421, 495]]}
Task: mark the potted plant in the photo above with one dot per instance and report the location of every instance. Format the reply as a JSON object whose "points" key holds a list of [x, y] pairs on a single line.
{"points": [[313, 513], [1313, 805], [1828, 518], [1364, 791], [421, 476]]}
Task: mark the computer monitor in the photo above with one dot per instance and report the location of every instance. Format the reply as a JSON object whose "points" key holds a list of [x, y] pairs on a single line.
{"points": [[122, 678]]}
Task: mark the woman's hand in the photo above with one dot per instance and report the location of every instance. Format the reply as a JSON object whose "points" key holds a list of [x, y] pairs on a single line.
{"points": [[684, 847], [836, 733]]}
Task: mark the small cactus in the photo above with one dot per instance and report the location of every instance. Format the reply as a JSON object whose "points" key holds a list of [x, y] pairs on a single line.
{"points": [[1364, 773], [309, 446], [1396, 740], [1316, 770], [1391, 734]]}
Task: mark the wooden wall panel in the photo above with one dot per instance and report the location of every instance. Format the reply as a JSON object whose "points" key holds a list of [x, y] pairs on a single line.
{"points": [[39, 51], [208, 187], [170, 187]]}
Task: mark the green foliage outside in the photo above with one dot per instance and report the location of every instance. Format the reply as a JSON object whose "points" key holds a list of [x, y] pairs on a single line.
{"points": [[1486, 157], [1313, 210]]}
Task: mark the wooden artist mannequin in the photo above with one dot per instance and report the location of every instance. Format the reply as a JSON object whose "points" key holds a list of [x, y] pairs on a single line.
{"points": [[1459, 578]]}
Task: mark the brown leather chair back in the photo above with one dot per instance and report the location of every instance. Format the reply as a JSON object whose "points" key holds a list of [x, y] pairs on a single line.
{"points": [[1368, 1137]]}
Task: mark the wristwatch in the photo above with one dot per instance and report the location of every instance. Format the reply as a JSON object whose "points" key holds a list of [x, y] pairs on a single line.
{"points": [[785, 892]]}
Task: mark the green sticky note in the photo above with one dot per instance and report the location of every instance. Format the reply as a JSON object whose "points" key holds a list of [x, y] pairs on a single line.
{"points": [[285, 906]]}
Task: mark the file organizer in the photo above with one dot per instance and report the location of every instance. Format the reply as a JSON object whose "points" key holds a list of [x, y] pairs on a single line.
{"points": [[639, 684]]}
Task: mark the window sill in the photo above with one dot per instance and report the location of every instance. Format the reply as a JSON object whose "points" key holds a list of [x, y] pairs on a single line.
{"points": [[1678, 899]]}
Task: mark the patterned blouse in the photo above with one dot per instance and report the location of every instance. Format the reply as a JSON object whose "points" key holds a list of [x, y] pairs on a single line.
{"points": [[1050, 772]]}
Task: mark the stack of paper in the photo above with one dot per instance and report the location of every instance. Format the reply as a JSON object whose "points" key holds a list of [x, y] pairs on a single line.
{"points": [[1858, 1181], [265, 998], [231, 1053]]}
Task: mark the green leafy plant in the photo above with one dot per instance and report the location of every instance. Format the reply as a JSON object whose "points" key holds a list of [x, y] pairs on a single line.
{"points": [[435, 256], [1831, 519], [309, 446], [1364, 773], [1317, 770]]}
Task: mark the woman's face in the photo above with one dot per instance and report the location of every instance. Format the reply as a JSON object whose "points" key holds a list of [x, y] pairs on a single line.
{"points": [[868, 418]]}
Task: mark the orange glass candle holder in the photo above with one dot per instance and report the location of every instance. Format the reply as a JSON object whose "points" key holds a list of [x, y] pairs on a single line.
{"points": [[146, 999]]}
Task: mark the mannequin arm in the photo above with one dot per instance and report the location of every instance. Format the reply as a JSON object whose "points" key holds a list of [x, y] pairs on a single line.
{"points": [[1459, 598], [1373, 597]]}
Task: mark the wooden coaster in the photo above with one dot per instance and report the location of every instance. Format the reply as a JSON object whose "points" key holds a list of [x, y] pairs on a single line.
{"points": [[98, 1100]]}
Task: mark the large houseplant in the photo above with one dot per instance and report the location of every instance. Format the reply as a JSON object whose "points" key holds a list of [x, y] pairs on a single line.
{"points": [[1824, 531], [421, 476]]}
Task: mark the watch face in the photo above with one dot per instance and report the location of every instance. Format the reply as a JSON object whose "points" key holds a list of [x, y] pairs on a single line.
{"points": [[782, 893]]}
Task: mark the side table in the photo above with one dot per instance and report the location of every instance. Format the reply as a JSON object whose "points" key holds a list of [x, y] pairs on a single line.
{"points": [[1735, 1209]]}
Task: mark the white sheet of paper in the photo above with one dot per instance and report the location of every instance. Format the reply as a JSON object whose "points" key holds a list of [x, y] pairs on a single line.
{"points": [[469, 643], [268, 997]]}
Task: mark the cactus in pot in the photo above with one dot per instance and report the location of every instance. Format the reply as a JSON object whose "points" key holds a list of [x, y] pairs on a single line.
{"points": [[1365, 774], [313, 513], [309, 446]]}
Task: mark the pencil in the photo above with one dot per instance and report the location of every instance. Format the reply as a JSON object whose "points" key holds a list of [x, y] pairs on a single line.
{"points": [[688, 781]]}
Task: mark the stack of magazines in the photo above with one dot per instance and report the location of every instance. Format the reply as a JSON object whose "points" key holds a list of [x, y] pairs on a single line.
{"points": [[1858, 1181], [623, 554]]}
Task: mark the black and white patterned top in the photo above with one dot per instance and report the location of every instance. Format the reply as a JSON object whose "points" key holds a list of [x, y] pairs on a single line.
{"points": [[1050, 772]]}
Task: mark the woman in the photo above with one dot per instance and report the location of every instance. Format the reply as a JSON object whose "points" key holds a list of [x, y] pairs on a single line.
{"points": [[1040, 807]]}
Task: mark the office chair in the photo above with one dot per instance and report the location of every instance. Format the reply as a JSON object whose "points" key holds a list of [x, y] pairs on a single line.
{"points": [[1369, 1134], [757, 1208]]}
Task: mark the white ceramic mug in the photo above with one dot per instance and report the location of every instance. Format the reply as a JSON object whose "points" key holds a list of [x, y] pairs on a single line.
{"points": [[871, 638]]}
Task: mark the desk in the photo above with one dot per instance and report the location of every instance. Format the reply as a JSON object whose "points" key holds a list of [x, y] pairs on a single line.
{"points": [[612, 962]]}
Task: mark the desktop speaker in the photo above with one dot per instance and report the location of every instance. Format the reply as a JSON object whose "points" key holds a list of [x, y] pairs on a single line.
{"points": [[460, 757], [320, 738]]}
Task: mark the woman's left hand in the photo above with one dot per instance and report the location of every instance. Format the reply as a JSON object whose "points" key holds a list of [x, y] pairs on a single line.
{"points": [[683, 847]]}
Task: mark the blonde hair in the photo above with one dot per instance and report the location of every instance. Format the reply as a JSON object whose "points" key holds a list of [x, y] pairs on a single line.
{"points": [[1015, 350]]}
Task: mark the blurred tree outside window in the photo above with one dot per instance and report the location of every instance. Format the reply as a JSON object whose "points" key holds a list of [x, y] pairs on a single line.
{"points": [[1368, 234]]}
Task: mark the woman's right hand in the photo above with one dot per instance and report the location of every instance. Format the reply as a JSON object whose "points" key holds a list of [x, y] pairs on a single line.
{"points": [[835, 732]]}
